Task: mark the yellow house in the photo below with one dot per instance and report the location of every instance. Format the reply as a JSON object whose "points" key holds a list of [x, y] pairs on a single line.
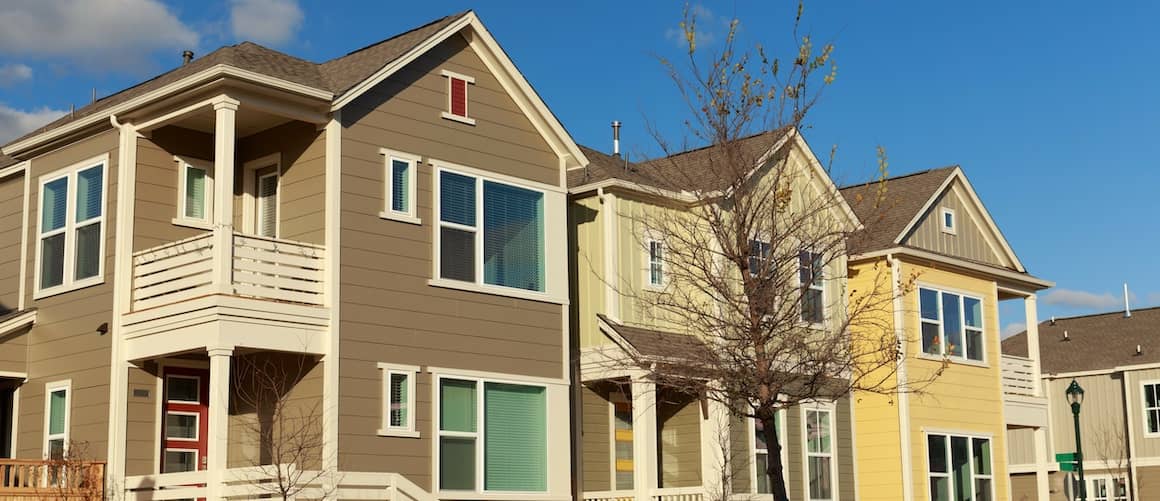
{"points": [[944, 437]]}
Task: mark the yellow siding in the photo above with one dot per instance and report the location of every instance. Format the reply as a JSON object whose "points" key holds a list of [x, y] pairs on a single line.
{"points": [[587, 222]]}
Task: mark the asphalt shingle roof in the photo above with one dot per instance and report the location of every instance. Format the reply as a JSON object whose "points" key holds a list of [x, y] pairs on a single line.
{"points": [[886, 218], [336, 75], [1094, 342], [656, 344]]}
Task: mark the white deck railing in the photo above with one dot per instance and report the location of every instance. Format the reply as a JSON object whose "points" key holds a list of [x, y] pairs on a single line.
{"points": [[1019, 377], [667, 494], [261, 267], [261, 482]]}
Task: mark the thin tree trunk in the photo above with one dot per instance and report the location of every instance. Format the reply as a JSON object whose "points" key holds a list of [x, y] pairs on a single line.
{"points": [[774, 467]]}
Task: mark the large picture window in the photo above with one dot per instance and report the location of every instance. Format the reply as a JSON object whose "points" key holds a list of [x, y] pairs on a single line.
{"points": [[71, 228], [490, 232], [492, 436], [959, 468], [952, 324]]}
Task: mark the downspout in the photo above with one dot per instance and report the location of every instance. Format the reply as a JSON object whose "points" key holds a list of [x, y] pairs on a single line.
{"points": [[903, 385]]}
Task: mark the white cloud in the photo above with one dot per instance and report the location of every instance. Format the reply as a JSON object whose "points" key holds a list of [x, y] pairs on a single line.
{"points": [[99, 34], [14, 73], [1013, 328], [707, 28], [1085, 300], [266, 21], [14, 123]]}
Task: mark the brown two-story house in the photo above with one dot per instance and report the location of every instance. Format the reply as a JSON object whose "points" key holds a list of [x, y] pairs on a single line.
{"points": [[346, 278]]}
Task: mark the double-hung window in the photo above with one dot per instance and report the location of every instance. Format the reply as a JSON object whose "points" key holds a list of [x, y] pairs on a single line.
{"points": [[398, 401], [490, 232], [493, 437], [56, 419], [195, 204], [72, 228], [402, 171], [761, 451], [820, 467], [810, 276], [655, 273], [1107, 488], [758, 256], [1151, 408], [959, 468], [952, 324]]}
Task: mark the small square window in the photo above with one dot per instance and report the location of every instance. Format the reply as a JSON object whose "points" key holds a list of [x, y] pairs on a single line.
{"points": [[947, 220], [398, 401]]}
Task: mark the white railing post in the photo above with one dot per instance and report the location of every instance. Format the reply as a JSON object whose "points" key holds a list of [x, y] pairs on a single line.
{"points": [[219, 425], [225, 117]]}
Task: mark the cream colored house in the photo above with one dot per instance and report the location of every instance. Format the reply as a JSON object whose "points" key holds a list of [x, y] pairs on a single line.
{"points": [[390, 225]]}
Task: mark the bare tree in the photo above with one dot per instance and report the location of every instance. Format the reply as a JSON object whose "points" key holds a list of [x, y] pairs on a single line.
{"points": [[755, 248], [71, 474], [282, 437]]}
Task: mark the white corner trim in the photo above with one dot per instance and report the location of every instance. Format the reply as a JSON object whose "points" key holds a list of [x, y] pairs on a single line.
{"points": [[460, 76], [330, 369], [25, 229], [903, 382]]}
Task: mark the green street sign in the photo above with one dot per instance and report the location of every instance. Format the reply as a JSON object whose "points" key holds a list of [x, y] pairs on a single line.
{"points": [[1066, 466], [1065, 457]]}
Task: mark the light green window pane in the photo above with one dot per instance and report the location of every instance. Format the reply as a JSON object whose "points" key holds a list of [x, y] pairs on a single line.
{"points": [[195, 193], [88, 249], [982, 489], [399, 399], [961, 468], [457, 405], [762, 462], [513, 237], [973, 312], [55, 205], [457, 463], [89, 183], [57, 411], [981, 454], [940, 489], [516, 438], [936, 446], [818, 431]]}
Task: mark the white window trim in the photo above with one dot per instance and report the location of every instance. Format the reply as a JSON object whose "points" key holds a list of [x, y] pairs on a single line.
{"points": [[1110, 479], [970, 450], [781, 436], [181, 376], [184, 163], [408, 430], [411, 215], [822, 287], [960, 359], [942, 221], [49, 389], [465, 118], [1144, 405], [832, 409], [69, 282], [651, 238], [250, 192], [762, 241], [196, 427], [478, 285], [196, 455], [480, 435]]}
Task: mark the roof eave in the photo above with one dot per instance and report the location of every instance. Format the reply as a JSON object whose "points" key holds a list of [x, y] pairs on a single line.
{"points": [[1023, 278]]}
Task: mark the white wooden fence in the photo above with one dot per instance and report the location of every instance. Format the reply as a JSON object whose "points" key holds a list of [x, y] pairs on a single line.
{"points": [[1018, 375]]}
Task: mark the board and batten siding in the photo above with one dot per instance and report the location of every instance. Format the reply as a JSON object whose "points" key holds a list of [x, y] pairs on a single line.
{"points": [[64, 343], [1146, 446], [968, 241], [1021, 447], [388, 312], [588, 269], [1102, 424]]}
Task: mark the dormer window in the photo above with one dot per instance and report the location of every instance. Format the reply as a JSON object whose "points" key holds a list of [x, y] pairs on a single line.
{"points": [[947, 220], [457, 97]]}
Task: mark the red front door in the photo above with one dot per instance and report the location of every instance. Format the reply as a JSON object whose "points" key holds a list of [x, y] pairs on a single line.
{"points": [[185, 419]]}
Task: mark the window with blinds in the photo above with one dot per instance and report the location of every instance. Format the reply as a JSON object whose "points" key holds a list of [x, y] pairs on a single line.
{"points": [[72, 216], [398, 413], [196, 184], [267, 205], [507, 249], [513, 436], [401, 173]]}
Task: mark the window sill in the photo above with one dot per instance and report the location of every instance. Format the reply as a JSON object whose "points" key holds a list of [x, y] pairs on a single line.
{"points": [[954, 360], [190, 223], [457, 118], [495, 290], [402, 218], [61, 289], [398, 433]]}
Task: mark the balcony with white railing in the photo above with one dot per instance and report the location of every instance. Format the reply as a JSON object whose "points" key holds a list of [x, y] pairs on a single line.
{"points": [[209, 289], [663, 494], [266, 482], [1023, 401]]}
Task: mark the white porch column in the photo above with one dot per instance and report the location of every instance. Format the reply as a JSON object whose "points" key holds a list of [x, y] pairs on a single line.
{"points": [[1042, 481], [219, 425], [1032, 320], [224, 142], [716, 461], [644, 436]]}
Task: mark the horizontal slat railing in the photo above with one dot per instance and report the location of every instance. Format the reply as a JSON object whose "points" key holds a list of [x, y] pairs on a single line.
{"points": [[41, 479], [1018, 374], [609, 496], [173, 272], [266, 268], [278, 269], [679, 494], [261, 482]]}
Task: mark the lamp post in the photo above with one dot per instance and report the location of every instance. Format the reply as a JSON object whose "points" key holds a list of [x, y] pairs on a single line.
{"points": [[1075, 397]]}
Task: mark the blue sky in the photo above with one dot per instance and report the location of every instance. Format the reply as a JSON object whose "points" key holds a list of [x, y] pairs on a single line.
{"points": [[1050, 107]]}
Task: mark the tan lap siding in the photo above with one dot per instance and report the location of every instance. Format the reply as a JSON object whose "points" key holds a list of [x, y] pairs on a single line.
{"points": [[64, 343], [301, 196], [11, 220], [155, 197], [741, 455], [596, 442], [141, 415]]}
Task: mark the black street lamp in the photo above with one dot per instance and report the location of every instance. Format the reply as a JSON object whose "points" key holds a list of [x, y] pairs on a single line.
{"points": [[1075, 397]]}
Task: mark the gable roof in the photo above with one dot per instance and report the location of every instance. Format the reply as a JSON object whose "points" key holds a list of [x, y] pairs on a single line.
{"points": [[1102, 341], [886, 221]]}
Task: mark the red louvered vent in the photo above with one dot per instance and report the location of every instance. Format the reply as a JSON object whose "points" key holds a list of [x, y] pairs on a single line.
{"points": [[458, 97]]}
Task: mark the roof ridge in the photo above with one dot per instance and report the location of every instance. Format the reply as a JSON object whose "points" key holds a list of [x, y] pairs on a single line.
{"points": [[1089, 315], [710, 145], [276, 51], [901, 176]]}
